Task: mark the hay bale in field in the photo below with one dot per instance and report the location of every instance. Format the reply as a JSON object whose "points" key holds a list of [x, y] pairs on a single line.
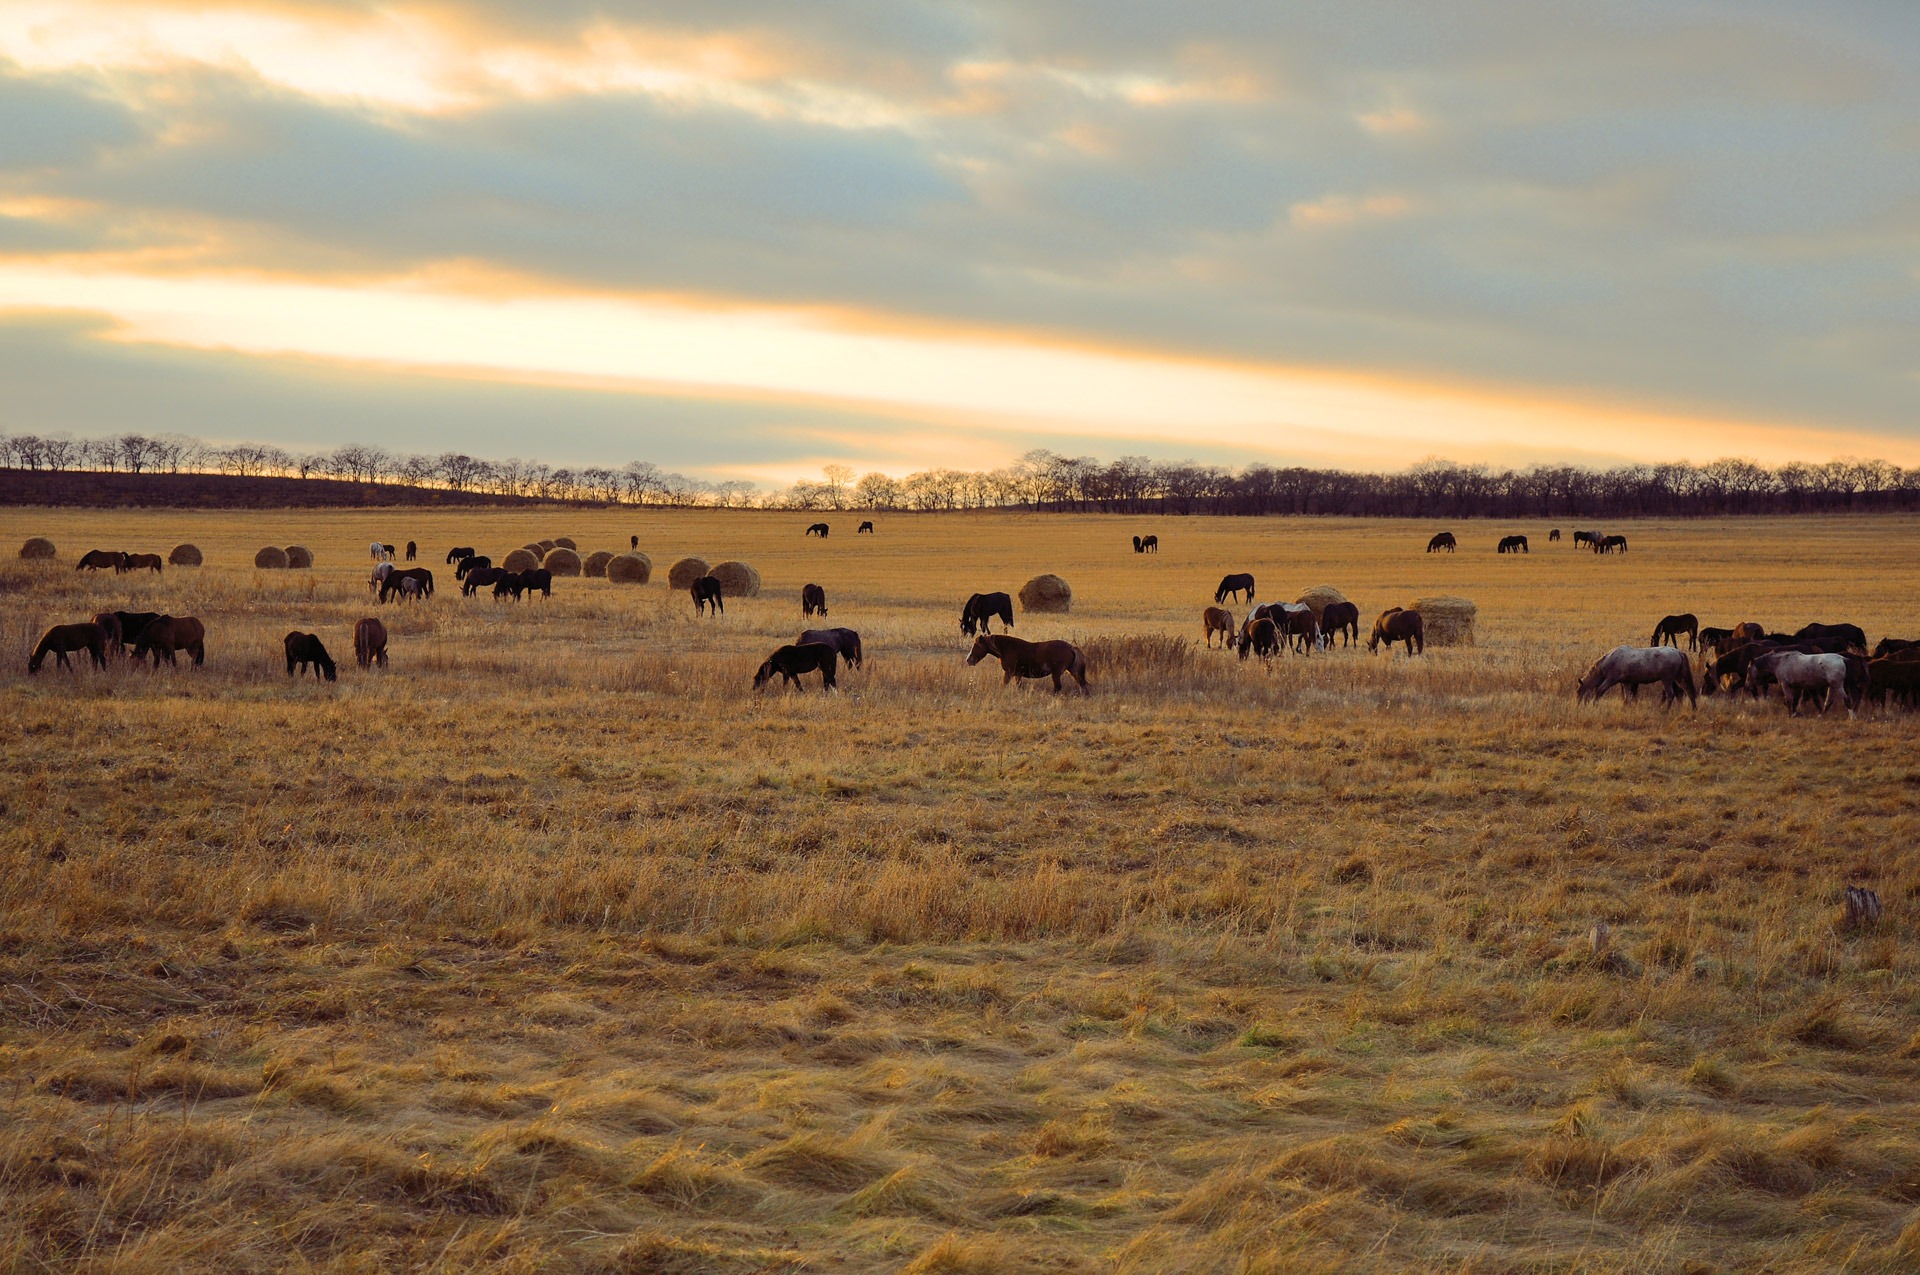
{"points": [[520, 560], [38, 547], [683, 573], [537, 549], [628, 568], [1449, 621], [1320, 597], [1046, 593], [737, 580], [596, 564], [184, 556], [565, 542], [299, 557], [547, 546], [271, 558], [562, 562]]}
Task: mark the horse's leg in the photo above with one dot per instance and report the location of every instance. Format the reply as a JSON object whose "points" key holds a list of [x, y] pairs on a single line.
{"points": [[1056, 681]]}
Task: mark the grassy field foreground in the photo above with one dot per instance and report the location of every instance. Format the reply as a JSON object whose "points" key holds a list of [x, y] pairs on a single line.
{"points": [[555, 947]]}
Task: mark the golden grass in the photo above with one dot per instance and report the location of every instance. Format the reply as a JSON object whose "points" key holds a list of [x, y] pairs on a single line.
{"points": [[553, 946]]}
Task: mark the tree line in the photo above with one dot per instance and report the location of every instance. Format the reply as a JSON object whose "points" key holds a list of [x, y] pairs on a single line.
{"points": [[1046, 481]]}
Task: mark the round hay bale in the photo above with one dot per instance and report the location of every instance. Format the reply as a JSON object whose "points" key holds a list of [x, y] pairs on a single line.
{"points": [[520, 560], [737, 580], [566, 542], [547, 546], [1046, 593], [537, 549], [1320, 597], [1449, 621], [596, 564], [271, 558], [683, 573], [38, 547], [629, 568], [299, 556], [562, 562], [184, 556]]}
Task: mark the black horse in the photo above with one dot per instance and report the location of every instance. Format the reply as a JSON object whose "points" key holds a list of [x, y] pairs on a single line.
{"points": [[306, 649], [133, 623], [413, 551], [461, 551], [789, 662], [865, 528], [1342, 618], [1512, 544], [1668, 631], [1607, 544], [633, 542], [845, 641], [391, 584], [510, 583], [1232, 585], [1554, 535], [813, 600], [1852, 634], [977, 616], [478, 580], [1442, 540], [1259, 637], [1146, 544], [468, 565], [819, 529], [706, 593], [1592, 538], [537, 580]]}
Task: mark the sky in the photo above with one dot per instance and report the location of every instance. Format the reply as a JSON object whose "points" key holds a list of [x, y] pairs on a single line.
{"points": [[749, 239]]}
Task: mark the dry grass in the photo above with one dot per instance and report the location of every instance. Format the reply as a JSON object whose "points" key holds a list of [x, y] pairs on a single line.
{"points": [[554, 947]]}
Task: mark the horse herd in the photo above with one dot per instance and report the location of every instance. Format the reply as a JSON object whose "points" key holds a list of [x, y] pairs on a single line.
{"points": [[1819, 663], [1599, 542]]}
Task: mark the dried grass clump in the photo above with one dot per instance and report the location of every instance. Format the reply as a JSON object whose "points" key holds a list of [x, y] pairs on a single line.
{"points": [[562, 562], [271, 558], [737, 580], [520, 560], [629, 568], [565, 542], [596, 564], [1449, 621], [683, 573], [185, 556], [37, 547], [299, 556], [1046, 593], [1142, 655], [1320, 597]]}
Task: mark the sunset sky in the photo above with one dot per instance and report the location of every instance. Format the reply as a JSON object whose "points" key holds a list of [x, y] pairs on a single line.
{"points": [[748, 239]]}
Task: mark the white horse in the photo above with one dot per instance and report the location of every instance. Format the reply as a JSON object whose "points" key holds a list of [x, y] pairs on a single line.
{"points": [[1801, 675], [377, 550], [380, 574], [1637, 666]]}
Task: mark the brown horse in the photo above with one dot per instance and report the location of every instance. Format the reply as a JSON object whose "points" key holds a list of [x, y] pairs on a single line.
{"points": [[370, 643], [304, 649], [978, 614], [1217, 620], [1259, 636], [1232, 585], [1021, 658], [706, 593], [61, 638], [1670, 629], [1748, 631], [1442, 540], [166, 635], [101, 560], [813, 600], [1715, 640], [845, 641], [1342, 618], [789, 662], [143, 562], [110, 626], [1399, 625]]}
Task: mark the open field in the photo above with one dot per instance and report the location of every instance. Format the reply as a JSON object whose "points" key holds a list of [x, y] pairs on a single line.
{"points": [[555, 947]]}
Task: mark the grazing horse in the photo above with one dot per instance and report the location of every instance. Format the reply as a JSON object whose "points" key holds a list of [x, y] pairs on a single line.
{"points": [[1020, 658], [370, 643], [61, 638], [1396, 624], [1553, 536], [1732, 668], [306, 649], [381, 572], [142, 562], [412, 550], [392, 584], [1233, 585], [789, 662], [1799, 675], [110, 627], [1443, 540], [1589, 538], [100, 560], [977, 615], [1294, 620], [1888, 646], [813, 600], [388, 551], [1259, 637], [1852, 634], [458, 552], [1136, 545], [1512, 544], [134, 623], [1146, 544], [864, 529], [706, 593], [165, 635], [478, 580], [537, 580], [1217, 620], [1670, 629], [819, 529], [1894, 679], [1714, 640], [411, 590], [471, 564], [844, 641], [633, 542], [510, 582], [1635, 666], [1341, 618], [1607, 544], [376, 550]]}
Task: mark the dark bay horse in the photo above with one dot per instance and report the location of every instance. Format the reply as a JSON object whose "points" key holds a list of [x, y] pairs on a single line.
{"points": [[537, 580], [143, 562], [166, 635], [471, 563], [110, 627], [845, 641], [1607, 544], [101, 560], [62, 638], [1342, 618], [789, 662], [1889, 645], [307, 650], [1443, 540], [1146, 544], [864, 529], [1397, 624], [1714, 640], [813, 600], [1512, 544], [133, 624], [1668, 631], [1259, 636], [478, 580], [1592, 538], [413, 550], [391, 584], [1553, 536], [1852, 634], [370, 643], [1233, 585], [981, 609], [706, 593], [819, 529], [510, 584], [1020, 658], [458, 552]]}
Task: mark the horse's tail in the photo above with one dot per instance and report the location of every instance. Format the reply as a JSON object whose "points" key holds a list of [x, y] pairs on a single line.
{"points": [[1686, 682]]}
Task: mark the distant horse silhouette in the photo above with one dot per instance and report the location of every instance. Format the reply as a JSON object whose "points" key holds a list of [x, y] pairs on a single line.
{"points": [[392, 583], [633, 542], [101, 560], [1020, 658], [1341, 618], [166, 635], [813, 600], [1897, 680], [377, 550], [370, 643], [1591, 538], [978, 614], [1553, 535], [1634, 666], [845, 641], [388, 550], [1146, 544], [1607, 544], [819, 529], [463, 551], [1512, 544], [1233, 586], [308, 651], [471, 564], [62, 638], [1261, 637], [790, 662], [865, 528], [1852, 634], [412, 550], [1444, 540], [1217, 620], [537, 580], [484, 578], [1397, 624], [142, 562], [1670, 629], [706, 593]]}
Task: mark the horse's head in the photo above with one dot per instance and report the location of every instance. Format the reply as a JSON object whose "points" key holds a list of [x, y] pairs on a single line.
{"points": [[982, 648], [764, 676], [967, 623]]}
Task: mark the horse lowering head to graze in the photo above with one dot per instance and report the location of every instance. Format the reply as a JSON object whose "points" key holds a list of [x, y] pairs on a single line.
{"points": [[410, 590], [484, 578], [1399, 625], [396, 580], [1295, 620], [706, 593], [1710, 639], [845, 641], [1729, 670], [1634, 666], [510, 583], [1150, 544], [1895, 681], [142, 562], [374, 550], [165, 635], [1800, 675], [978, 614], [471, 563], [1217, 620], [1341, 618], [1887, 646], [537, 580], [813, 600], [1610, 543], [412, 550], [1668, 631], [1259, 636], [1852, 634], [1586, 538], [789, 662], [1136, 545], [307, 650], [370, 643], [1020, 658], [1512, 544], [865, 528], [101, 560], [1442, 540], [62, 638], [1240, 582], [458, 552], [819, 529], [1553, 535], [379, 576], [387, 551]]}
